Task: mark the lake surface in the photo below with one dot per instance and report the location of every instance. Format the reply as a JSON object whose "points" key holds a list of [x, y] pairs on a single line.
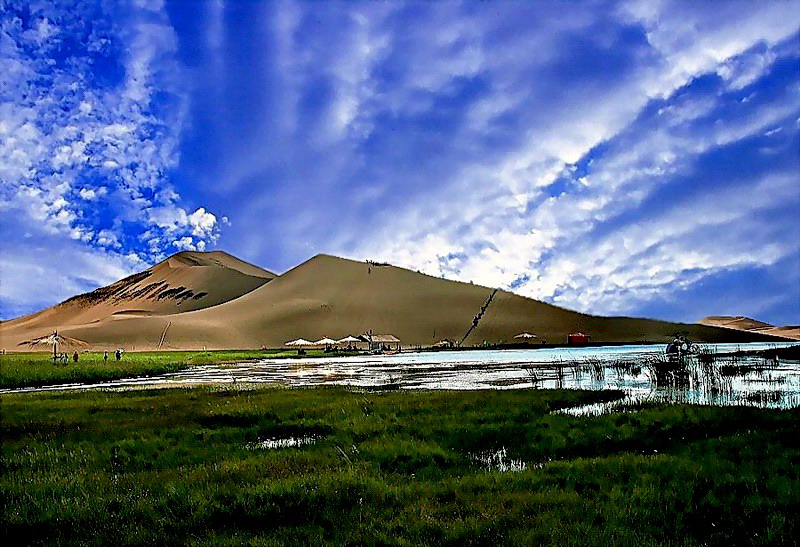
{"points": [[637, 370]]}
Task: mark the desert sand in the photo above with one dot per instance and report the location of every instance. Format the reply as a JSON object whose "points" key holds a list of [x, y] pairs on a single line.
{"points": [[787, 331], [740, 322], [184, 282], [247, 307], [735, 322]]}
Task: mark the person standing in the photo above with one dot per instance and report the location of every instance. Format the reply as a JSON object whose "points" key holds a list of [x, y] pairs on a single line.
{"points": [[105, 357], [75, 356]]}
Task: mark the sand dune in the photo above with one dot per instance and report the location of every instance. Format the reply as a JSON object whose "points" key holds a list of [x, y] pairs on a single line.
{"points": [[329, 296], [788, 331], [734, 322], [740, 322], [184, 282]]}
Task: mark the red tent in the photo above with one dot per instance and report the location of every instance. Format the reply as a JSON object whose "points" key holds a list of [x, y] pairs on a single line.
{"points": [[577, 338]]}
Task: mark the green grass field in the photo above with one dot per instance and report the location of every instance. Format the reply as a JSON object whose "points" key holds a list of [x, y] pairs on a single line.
{"points": [[37, 369], [184, 466]]}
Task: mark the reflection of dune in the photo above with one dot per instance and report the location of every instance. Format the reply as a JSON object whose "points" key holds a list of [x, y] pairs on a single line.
{"points": [[325, 296]]}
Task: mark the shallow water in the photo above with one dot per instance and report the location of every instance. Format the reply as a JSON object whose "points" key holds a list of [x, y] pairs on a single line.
{"points": [[633, 369], [499, 460], [287, 442]]}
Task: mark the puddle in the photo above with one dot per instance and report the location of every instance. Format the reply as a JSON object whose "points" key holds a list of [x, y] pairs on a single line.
{"points": [[499, 460], [598, 409], [288, 442]]}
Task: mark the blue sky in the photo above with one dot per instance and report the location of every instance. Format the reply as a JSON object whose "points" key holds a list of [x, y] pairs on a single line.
{"points": [[612, 157]]}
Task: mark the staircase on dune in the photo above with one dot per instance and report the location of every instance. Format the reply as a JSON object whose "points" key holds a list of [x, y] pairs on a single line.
{"points": [[477, 318]]}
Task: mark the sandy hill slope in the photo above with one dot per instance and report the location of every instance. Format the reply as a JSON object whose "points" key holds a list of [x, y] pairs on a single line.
{"points": [[787, 331], [740, 322], [734, 322], [183, 282], [329, 296]]}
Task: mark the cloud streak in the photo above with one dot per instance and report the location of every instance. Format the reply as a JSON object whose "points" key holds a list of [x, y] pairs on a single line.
{"points": [[91, 112], [602, 159]]}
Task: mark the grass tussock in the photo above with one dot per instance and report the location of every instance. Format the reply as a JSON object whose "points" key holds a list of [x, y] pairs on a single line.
{"points": [[177, 466]]}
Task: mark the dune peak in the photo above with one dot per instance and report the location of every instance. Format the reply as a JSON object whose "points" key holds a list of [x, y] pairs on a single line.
{"points": [[196, 299]]}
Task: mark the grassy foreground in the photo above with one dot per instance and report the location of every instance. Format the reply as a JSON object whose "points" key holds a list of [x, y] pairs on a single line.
{"points": [[184, 466], [34, 369]]}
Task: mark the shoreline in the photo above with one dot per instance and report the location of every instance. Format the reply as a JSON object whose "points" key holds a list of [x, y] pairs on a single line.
{"points": [[33, 374]]}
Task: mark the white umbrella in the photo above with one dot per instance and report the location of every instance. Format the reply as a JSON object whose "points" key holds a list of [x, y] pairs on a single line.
{"points": [[349, 339], [300, 342], [54, 340], [525, 335], [324, 342]]}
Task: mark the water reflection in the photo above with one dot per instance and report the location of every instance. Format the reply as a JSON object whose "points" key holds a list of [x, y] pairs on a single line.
{"points": [[641, 372], [724, 381], [499, 460], [288, 442]]}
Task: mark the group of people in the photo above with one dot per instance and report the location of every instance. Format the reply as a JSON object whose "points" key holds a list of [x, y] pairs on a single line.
{"points": [[64, 357], [117, 355], [681, 345]]}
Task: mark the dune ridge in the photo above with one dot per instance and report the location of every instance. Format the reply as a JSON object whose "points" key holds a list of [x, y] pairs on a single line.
{"points": [[335, 297], [186, 281], [740, 322]]}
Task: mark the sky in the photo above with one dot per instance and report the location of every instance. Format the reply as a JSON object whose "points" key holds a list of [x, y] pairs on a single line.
{"points": [[617, 158]]}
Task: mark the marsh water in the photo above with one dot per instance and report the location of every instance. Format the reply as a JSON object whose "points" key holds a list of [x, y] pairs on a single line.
{"points": [[640, 371]]}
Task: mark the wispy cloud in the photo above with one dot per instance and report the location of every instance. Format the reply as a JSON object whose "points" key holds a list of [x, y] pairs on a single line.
{"points": [[603, 159], [92, 114]]}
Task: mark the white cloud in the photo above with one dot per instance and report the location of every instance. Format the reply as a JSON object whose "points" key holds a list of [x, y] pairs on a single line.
{"points": [[742, 71], [698, 38], [184, 244], [107, 238], [202, 223], [700, 236], [87, 193], [501, 226], [85, 155], [64, 133], [41, 267], [485, 144]]}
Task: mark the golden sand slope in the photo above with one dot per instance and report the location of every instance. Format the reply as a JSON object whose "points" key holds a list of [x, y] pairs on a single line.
{"points": [[184, 282], [788, 331], [734, 322], [740, 322], [329, 296]]}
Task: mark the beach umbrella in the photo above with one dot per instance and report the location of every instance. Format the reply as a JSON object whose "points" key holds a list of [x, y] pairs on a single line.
{"points": [[349, 340], [54, 340], [525, 336], [324, 342], [300, 342]]}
